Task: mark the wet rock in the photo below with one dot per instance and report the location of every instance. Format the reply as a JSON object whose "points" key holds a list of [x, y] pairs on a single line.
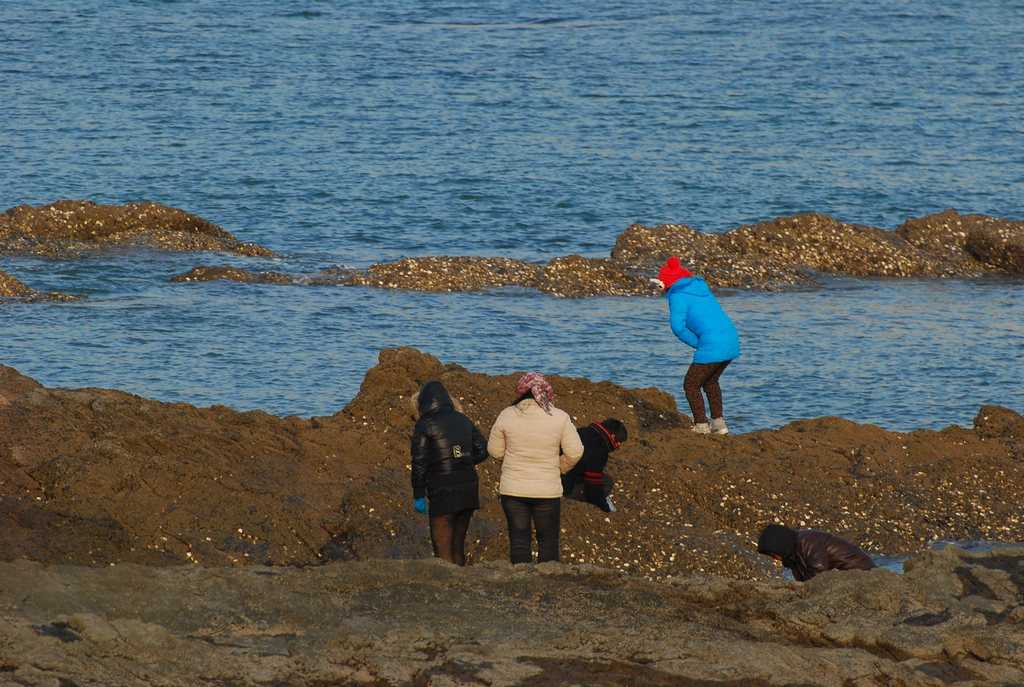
{"points": [[786, 252], [209, 273], [569, 276], [12, 289], [952, 617], [996, 422], [1001, 247], [645, 249], [449, 274], [790, 250], [575, 276], [967, 240], [940, 234], [68, 228], [823, 244]]}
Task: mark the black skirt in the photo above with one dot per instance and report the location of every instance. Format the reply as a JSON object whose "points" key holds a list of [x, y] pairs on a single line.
{"points": [[453, 492]]}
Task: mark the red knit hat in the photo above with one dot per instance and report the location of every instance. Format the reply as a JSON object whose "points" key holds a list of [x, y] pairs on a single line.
{"points": [[673, 272]]}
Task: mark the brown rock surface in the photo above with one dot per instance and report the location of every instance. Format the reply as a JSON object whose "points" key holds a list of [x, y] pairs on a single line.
{"points": [[208, 273], [952, 617], [999, 245], [93, 476], [571, 275], [785, 252], [70, 227], [12, 289], [646, 249], [448, 274], [577, 276], [772, 255], [135, 535], [823, 244]]}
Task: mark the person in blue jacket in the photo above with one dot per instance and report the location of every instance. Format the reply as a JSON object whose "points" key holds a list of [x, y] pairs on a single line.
{"points": [[699, 321]]}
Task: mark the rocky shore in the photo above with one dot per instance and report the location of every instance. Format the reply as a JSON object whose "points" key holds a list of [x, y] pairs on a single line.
{"points": [[94, 476], [783, 253], [153, 542], [951, 618]]}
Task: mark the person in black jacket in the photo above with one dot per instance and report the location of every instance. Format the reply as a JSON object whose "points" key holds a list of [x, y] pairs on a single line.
{"points": [[809, 552], [446, 448], [587, 481]]}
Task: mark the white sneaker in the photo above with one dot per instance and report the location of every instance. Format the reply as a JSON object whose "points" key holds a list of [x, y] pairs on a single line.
{"points": [[702, 428], [718, 425]]}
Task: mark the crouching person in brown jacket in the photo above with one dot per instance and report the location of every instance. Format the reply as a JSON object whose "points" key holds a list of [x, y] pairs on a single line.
{"points": [[809, 552]]}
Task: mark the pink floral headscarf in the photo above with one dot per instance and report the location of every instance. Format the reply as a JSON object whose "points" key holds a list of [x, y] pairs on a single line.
{"points": [[535, 383]]}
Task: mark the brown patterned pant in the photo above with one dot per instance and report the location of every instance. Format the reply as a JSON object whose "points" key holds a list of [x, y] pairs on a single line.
{"points": [[704, 376]]}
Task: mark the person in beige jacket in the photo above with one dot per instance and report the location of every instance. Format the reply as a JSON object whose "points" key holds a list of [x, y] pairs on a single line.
{"points": [[536, 443]]}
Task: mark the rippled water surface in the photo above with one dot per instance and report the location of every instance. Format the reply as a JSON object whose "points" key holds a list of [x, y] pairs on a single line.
{"points": [[345, 134]]}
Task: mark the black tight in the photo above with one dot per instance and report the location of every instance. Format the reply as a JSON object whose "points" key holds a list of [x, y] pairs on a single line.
{"points": [[704, 376], [448, 535], [546, 516]]}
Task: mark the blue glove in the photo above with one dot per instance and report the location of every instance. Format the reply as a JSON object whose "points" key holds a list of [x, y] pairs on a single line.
{"points": [[420, 505]]}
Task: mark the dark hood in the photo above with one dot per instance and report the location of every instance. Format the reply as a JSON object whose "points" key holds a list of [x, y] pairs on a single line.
{"points": [[778, 539], [433, 396]]}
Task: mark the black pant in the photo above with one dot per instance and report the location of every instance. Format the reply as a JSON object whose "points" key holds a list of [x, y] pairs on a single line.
{"points": [[546, 517]]}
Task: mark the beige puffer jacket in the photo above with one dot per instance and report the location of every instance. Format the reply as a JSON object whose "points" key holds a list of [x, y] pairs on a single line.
{"points": [[528, 440]]}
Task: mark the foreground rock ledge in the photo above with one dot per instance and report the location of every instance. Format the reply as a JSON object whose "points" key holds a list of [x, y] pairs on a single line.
{"points": [[951, 617], [96, 476]]}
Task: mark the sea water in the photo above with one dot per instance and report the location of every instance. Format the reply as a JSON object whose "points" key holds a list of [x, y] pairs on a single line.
{"points": [[342, 134]]}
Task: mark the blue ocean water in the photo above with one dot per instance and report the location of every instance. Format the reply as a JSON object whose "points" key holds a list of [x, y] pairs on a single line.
{"points": [[342, 134]]}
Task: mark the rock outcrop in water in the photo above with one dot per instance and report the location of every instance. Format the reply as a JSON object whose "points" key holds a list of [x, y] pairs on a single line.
{"points": [[786, 252], [12, 289], [791, 250], [69, 228], [783, 253], [137, 535], [206, 273]]}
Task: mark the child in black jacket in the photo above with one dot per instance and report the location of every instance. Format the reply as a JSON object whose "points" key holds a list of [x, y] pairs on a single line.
{"points": [[587, 480]]}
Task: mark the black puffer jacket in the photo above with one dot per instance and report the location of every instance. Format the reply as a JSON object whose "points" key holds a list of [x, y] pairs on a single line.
{"points": [[444, 440], [589, 470]]}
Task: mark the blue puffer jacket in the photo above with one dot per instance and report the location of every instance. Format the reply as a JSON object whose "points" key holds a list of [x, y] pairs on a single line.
{"points": [[699, 321]]}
